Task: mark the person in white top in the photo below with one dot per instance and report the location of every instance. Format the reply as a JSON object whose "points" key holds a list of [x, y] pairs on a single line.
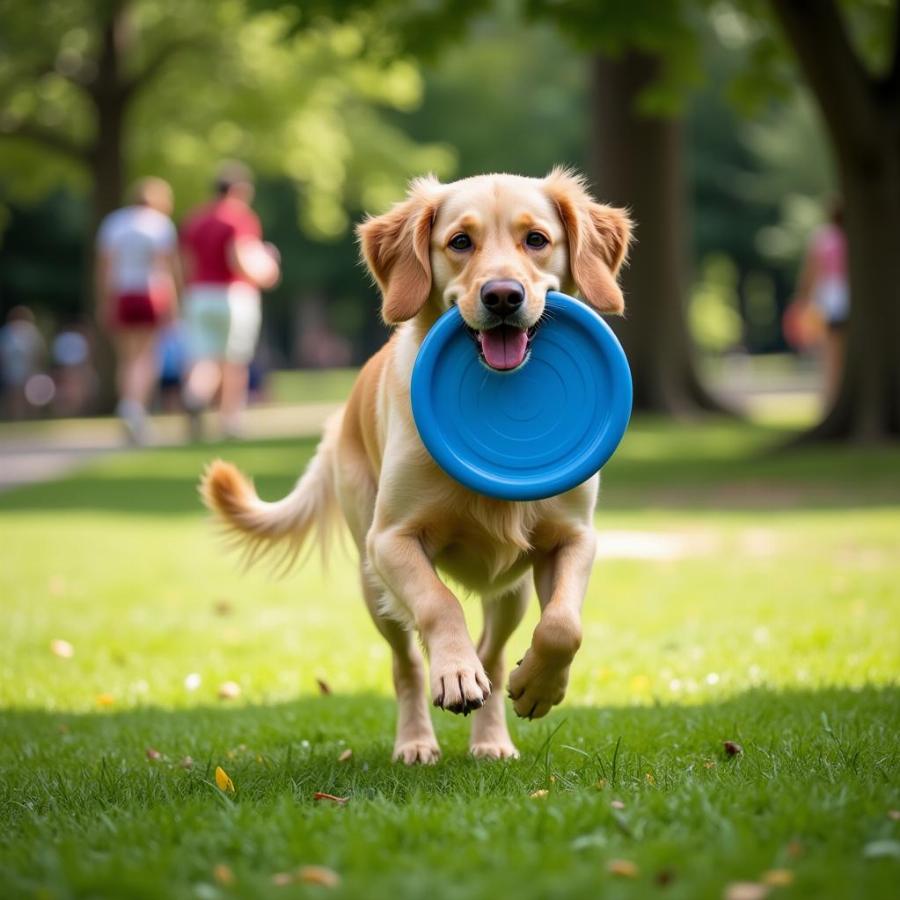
{"points": [[137, 287]]}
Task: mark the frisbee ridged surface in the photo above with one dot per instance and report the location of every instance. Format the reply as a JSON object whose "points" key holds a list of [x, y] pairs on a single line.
{"points": [[533, 432]]}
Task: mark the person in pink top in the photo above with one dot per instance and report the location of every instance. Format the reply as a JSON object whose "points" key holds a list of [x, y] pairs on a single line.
{"points": [[823, 292], [226, 265]]}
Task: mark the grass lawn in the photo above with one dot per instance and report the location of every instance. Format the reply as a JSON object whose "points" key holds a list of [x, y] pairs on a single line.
{"points": [[741, 595]]}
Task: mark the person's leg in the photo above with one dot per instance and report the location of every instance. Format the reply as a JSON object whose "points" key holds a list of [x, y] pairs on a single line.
{"points": [[133, 371], [235, 378], [243, 333]]}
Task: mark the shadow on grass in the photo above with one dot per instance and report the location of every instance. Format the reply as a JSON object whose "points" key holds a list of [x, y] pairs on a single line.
{"points": [[827, 736], [660, 466]]}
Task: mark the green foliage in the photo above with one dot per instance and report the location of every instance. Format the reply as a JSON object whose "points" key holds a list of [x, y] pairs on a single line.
{"points": [[713, 315], [214, 80]]}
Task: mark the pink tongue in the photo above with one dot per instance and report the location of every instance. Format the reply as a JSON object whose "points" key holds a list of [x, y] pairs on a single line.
{"points": [[504, 347]]}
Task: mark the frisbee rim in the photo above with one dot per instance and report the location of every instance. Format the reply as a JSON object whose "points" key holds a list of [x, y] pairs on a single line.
{"points": [[500, 484]]}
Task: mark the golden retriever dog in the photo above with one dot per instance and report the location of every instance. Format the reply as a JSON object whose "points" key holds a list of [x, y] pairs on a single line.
{"points": [[493, 246]]}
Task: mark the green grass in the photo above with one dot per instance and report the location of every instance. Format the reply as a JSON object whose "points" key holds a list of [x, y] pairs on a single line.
{"points": [[769, 617]]}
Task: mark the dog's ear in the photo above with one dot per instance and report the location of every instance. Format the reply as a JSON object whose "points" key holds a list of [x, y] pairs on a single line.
{"points": [[598, 238], [396, 247]]}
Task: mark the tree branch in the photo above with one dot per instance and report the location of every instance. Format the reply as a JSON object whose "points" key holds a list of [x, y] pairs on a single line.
{"points": [[158, 62], [47, 137], [840, 83]]}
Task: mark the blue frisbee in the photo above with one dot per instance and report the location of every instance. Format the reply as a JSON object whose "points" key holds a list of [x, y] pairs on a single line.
{"points": [[532, 432]]}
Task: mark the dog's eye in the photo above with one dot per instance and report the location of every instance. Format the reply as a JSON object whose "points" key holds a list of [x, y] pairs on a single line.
{"points": [[460, 241], [536, 240]]}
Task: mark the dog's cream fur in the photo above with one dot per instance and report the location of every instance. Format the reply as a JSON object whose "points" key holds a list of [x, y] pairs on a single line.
{"points": [[409, 519]]}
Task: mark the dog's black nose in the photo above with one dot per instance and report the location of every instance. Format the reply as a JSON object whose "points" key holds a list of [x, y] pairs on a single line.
{"points": [[502, 296]]}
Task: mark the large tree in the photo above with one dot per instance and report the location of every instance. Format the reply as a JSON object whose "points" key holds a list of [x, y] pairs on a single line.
{"points": [[645, 55], [858, 95]]}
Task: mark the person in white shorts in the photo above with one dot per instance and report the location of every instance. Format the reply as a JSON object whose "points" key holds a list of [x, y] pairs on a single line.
{"points": [[137, 279], [226, 265]]}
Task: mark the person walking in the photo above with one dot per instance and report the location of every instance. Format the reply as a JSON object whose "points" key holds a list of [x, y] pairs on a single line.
{"points": [[226, 266], [823, 293], [137, 276]]}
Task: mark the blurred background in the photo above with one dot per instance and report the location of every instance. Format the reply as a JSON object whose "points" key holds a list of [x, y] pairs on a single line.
{"points": [[732, 129]]}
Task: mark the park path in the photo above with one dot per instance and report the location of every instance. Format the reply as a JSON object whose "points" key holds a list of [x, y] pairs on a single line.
{"points": [[42, 451]]}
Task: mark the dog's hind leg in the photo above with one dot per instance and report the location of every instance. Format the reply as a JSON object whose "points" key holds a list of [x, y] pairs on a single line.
{"points": [[490, 736], [415, 741]]}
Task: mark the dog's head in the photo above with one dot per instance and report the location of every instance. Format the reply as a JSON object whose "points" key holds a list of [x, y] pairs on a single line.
{"points": [[494, 245]]}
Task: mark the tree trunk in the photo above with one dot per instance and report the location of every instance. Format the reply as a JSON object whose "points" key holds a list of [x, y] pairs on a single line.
{"points": [[636, 161], [861, 112]]}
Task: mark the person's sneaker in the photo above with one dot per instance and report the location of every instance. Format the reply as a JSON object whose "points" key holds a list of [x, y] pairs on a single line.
{"points": [[134, 419]]}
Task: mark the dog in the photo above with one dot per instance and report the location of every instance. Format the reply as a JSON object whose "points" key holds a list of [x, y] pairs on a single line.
{"points": [[493, 246]]}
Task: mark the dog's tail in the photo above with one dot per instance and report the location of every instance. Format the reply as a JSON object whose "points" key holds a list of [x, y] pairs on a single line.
{"points": [[260, 527]]}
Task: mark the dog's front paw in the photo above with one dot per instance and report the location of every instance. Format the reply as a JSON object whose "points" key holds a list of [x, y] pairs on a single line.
{"points": [[499, 749], [422, 751], [459, 685], [537, 684]]}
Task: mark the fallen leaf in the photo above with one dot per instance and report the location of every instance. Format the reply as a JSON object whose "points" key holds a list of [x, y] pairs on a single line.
{"points": [[229, 690], [345, 755], [224, 783], [223, 875], [881, 849], [733, 749], [622, 868], [709, 764], [318, 875], [186, 762], [664, 877], [153, 755], [320, 795], [746, 890], [600, 784], [537, 795], [105, 699], [649, 778], [617, 804], [62, 649], [777, 877], [324, 687]]}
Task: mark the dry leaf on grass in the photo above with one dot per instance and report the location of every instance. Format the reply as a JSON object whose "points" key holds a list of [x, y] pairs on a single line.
{"points": [[62, 649], [537, 795], [223, 607], [318, 875], [732, 748], [324, 687], [321, 795], [622, 868], [345, 756], [223, 875], [777, 877], [746, 890], [223, 782], [186, 762], [229, 690], [153, 754]]}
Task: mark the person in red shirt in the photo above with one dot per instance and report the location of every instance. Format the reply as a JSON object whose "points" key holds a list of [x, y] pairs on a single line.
{"points": [[226, 265]]}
